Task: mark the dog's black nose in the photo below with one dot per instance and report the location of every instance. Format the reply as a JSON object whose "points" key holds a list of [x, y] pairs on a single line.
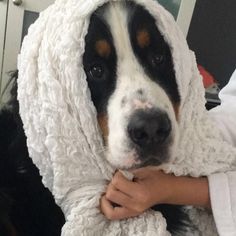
{"points": [[149, 128]]}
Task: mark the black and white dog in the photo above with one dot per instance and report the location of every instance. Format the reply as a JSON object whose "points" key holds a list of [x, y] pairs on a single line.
{"points": [[131, 77]]}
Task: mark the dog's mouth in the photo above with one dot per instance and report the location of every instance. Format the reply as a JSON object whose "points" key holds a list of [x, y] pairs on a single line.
{"points": [[138, 158]]}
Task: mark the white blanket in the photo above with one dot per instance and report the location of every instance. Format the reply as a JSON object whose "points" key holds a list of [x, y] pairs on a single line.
{"points": [[63, 136]]}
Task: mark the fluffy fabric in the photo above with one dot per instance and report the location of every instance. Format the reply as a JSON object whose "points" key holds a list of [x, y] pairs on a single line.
{"points": [[63, 136]]}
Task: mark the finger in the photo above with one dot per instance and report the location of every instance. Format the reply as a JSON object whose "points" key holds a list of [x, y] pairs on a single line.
{"points": [[123, 184], [121, 213], [141, 170], [105, 205], [118, 197], [115, 213]]}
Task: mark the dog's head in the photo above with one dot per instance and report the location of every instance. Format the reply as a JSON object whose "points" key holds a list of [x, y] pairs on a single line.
{"points": [[132, 81]]}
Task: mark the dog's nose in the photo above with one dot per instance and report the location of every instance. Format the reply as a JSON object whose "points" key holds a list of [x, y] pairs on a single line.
{"points": [[149, 128]]}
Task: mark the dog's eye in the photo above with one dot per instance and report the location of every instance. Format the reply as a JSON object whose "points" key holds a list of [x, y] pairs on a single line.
{"points": [[96, 71], [157, 60]]}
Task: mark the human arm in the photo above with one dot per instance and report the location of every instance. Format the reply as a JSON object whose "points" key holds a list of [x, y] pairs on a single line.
{"points": [[150, 187]]}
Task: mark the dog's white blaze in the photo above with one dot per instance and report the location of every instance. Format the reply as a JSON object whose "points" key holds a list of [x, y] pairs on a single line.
{"points": [[130, 78]]}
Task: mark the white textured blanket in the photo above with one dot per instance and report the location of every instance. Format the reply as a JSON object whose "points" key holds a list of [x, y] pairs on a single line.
{"points": [[60, 122]]}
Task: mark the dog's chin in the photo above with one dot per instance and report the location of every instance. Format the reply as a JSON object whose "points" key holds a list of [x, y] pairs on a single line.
{"points": [[153, 161], [133, 160], [124, 160]]}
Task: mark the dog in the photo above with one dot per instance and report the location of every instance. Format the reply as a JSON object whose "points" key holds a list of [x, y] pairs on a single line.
{"points": [[129, 68], [131, 77]]}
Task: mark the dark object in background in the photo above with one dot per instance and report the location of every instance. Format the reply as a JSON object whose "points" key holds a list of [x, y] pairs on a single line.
{"points": [[27, 208], [211, 105], [211, 88], [212, 36]]}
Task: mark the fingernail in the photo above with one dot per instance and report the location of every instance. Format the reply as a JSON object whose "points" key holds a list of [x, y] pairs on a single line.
{"points": [[127, 175]]}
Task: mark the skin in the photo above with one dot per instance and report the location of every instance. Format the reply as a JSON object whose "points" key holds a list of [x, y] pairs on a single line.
{"points": [[151, 187]]}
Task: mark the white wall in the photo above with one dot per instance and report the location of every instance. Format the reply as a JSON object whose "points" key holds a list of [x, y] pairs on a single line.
{"points": [[185, 15], [3, 12]]}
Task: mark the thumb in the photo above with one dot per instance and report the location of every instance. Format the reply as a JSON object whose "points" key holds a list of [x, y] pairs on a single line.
{"points": [[144, 171], [127, 174]]}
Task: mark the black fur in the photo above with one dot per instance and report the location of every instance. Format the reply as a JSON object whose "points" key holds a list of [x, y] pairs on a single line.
{"points": [[156, 58], [26, 206], [176, 218], [102, 86]]}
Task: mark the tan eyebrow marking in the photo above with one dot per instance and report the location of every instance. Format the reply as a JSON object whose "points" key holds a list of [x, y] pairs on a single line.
{"points": [[143, 38], [103, 48]]}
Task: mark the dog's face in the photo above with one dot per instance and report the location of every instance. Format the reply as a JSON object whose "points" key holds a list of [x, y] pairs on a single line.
{"points": [[132, 81]]}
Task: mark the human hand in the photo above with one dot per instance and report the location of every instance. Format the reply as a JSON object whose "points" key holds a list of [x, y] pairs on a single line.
{"points": [[149, 187]]}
